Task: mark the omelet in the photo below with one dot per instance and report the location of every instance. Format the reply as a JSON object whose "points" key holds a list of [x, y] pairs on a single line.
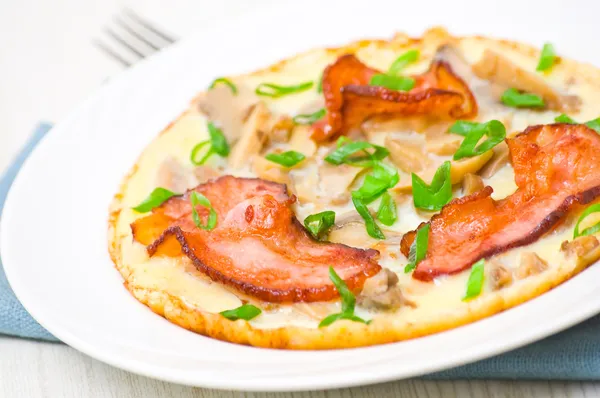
{"points": [[366, 194]]}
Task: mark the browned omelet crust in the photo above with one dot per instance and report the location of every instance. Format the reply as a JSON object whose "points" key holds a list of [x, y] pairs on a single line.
{"points": [[383, 329]]}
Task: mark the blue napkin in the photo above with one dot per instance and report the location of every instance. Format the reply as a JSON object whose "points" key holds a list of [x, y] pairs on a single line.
{"points": [[570, 355], [14, 320]]}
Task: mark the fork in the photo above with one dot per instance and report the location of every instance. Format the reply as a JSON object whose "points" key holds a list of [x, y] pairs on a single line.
{"points": [[132, 38]]}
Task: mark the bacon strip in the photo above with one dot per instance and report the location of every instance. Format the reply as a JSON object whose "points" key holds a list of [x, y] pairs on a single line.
{"points": [[350, 100], [258, 246], [556, 168]]}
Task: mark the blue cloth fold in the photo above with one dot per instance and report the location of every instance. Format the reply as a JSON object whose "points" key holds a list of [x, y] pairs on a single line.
{"points": [[569, 355]]}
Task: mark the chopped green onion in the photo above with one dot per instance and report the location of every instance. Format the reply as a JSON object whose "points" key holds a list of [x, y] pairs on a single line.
{"points": [[462, 127], [309, 118], [342, 140], [594, 124], [547, 58], [343, 154], [418, 249], [475, 282], [319, 224], [320, 84], [435, 195], [218, 145], [387, 212], [590, 230], [403, 61], [245, 312], [276, 91], [362, 209], [564, 119], [348, 302], [224, 80], [494, 129], [197, 199], [155, 199], [400, 83], [380, 180], [287, 159], [516, 99]]}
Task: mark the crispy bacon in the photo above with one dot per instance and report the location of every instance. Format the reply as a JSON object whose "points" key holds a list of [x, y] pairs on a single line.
{"points": [[258, 246], [350, 100], [556, 168]]}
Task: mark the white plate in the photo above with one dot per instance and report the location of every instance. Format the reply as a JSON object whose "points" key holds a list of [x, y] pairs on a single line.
{"points": [[53, 233]]}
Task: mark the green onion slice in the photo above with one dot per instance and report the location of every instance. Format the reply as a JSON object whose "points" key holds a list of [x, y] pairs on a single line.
{"points": [[379, 181], [547, 58], [155, 199], [516, 99], [372, 228], [399, 83], [594, 124], [475, 282], [343, 154], [287, 159], [197, 199], [320, 84], [218, 145], [437, 194], [245, 312], [493, 129], [319, 224], [309, 118], [387, 212], [590, 230], [227, 82], [276, 91], [341, 141], [564, 119], [462, 127], [403, 61], [348, 302], [418, 249]]}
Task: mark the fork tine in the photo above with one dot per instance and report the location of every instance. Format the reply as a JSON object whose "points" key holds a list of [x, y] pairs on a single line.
{"points": [[149, 26], [124, 43], [135, 34], [108, 51]]}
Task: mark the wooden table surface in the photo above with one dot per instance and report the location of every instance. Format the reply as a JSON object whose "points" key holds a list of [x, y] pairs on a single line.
{"points": [[47, 66], [33, 369]]}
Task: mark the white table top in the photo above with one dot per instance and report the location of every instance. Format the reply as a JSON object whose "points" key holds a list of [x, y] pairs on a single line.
{"points": [[47, 66]]}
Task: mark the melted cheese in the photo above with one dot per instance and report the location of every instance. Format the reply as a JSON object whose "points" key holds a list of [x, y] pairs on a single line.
{"points": [[178, 276]]}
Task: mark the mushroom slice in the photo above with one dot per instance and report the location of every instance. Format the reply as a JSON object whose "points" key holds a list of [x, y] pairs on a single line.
{"points": [[252, 138], [280, 128], [382, 292], [500, 70], [585, 249], [174, 176], [334, 181], [471, 183], [458, 170], [350, 229], [498, 161], [580, 246], [300, 141], [227, 109], [407, 156], [270, 171], [531, 264], [499, 275]]}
